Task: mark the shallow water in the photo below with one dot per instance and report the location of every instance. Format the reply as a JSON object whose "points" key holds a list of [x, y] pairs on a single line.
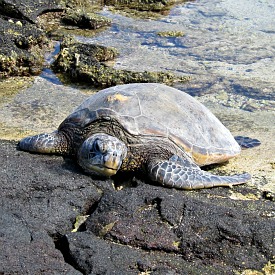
{"points": [[222, 37], [228, 48]]}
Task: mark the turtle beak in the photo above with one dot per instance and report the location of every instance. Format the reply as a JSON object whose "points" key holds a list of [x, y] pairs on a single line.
{"points": [[111, 162], [106, 165]]}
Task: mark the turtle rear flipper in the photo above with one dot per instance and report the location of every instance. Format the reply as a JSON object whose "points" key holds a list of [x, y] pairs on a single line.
{"points": [[247, 142], [184, 174], [47, 143]]}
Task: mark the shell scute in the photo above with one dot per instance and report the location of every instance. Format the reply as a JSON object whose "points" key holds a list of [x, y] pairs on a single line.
{"points": [[148, 126]]}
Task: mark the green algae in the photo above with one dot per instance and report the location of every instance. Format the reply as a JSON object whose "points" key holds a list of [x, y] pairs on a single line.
{"points": [[63, 31], [79, 221], [84, 4], [11, 86], [8, 132], [137, 14], [105, 76], [143, 5], [170, 33], [74, 20], [24, 64], [79, 85]]}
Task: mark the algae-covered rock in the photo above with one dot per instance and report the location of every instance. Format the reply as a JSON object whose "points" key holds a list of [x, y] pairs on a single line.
{"points": [[170, 34], [22, 43], [85, 20], [21, 49], [143, 8], [84, 62], [143, 5]]}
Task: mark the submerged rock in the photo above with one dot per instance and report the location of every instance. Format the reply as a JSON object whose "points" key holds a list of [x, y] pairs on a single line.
{"points": [[143, 5], [85, 20]]}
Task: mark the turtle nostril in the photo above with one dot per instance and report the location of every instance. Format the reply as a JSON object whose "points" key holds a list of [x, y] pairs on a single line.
{"points": [[114, 154]]}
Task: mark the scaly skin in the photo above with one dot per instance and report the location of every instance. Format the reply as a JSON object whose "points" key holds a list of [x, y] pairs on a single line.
{"points": [[184, 174], [47, 143]]}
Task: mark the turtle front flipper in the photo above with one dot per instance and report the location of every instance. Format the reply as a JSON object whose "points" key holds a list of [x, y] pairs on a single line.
{"points": [[47, 143], [184, 174]]}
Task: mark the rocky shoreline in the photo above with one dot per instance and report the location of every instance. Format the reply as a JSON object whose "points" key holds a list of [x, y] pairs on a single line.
{"points": [[25, 39], [55, 219], [140, 228]]}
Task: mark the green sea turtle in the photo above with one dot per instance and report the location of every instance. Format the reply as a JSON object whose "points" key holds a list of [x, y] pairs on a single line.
{"points": [[153, 128]]}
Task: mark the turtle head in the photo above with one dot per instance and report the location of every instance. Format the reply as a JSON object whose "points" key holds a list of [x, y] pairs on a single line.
{"points": [[102, 154]]}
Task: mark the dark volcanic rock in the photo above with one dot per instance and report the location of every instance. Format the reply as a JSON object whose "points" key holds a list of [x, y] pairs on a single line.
{"points": [[40, 199], [239, 234], [27, 9], [140, 228], [92, 255], [133, 216], [25, 249]]}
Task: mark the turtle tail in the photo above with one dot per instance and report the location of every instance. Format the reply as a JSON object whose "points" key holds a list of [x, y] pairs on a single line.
{"points": [[47, 143]]}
